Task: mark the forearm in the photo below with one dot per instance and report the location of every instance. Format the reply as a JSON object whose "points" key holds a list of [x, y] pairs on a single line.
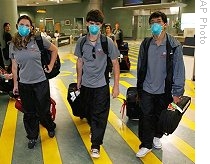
{"points": [[116, 70], [54, 54], [79, 70], [178, 74], [14, 72]]}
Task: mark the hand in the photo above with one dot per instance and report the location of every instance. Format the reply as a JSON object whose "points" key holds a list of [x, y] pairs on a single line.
{"points": [[115, 92], [78, 86], [15, 90], [48, 68], [176, 99], [8, 76]]}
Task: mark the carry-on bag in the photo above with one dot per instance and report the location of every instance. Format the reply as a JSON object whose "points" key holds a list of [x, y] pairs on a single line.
{"points": [[74, 99], [18, 106], [132, 105], [124, 63], [5, 85], [123, 48], [170, 118]]}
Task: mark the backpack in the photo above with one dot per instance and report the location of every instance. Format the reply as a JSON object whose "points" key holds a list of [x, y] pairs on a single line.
{"points": [[104, 44], [45, 59]]}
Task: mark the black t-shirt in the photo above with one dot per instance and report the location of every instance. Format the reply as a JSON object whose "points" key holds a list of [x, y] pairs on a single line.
{"points": [[7, 37]]}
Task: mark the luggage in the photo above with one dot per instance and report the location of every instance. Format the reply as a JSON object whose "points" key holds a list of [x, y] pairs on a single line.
{"points": [[170, 118], [74, 100], [18, 106], [123, 48], [5, 85], [132, 105], [124, 63]]}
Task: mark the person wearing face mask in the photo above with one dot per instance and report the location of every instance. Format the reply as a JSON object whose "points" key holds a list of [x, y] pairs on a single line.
{"points": [[160, 80], [30, 81], [91, 81]]}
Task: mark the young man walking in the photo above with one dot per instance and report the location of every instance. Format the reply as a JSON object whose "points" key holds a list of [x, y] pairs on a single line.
{"points": [[160, 80], [92, 79]]}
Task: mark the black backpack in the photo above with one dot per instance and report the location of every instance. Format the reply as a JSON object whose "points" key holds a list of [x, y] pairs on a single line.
{"points": [[104, 44], [45, 59]]}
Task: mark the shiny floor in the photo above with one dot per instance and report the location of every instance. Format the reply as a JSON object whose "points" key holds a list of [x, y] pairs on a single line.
{"points": [[71, 144]]}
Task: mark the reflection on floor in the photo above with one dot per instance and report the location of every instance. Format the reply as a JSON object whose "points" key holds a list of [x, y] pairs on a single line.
{"points": [[72, 143]]}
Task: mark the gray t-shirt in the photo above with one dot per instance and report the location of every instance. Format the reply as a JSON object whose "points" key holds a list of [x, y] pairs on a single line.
{"points": [[29, 61], [93, 69], [154, 82]]}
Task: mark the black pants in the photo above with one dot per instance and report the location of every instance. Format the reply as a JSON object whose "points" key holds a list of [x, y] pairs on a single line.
{"points": [[36, 107], [151, 106], [96, 103], [1, 59]]}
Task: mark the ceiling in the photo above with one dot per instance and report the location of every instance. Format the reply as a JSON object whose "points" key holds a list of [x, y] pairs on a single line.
{"points": [[44, 2], [152, 6]]}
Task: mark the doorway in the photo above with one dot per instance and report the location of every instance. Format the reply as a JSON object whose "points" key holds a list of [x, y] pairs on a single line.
{"points": [[49, 25]]}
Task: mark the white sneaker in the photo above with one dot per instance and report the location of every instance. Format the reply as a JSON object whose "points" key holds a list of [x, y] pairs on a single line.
{"points": [[95, 153], [110, 75], [143, 151], [157, 143]]}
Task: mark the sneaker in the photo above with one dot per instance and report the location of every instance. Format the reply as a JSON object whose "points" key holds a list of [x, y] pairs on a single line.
{"points": [[51, 134], [157, 143], [143, 151], [110, 75], [31, 143], [95, 153]]}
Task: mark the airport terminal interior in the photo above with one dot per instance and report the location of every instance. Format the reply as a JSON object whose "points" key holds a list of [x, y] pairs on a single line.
{"points": [[71, 144]]}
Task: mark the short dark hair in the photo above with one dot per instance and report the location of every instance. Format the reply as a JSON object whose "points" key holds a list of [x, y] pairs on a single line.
{"points": [[108, 25], [95, 15], [158, 14], [5, 24]]}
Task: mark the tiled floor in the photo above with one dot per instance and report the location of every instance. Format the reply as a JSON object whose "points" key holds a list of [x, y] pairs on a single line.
{"points": [[72, 143]]}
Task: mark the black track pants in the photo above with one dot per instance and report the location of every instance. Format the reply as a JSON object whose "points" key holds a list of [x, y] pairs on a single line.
{"points": [[151, 106], [36, 107], [96, 103]]}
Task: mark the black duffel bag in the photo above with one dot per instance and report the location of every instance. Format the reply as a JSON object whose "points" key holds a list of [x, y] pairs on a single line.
{"points": [[170, 118], [74, 99]]}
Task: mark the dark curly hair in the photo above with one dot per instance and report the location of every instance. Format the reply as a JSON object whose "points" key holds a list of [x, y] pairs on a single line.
{"points": [[95, 15]]}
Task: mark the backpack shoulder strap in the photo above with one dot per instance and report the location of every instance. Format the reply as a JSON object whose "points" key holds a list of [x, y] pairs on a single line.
{"points": [[39, 42], [146, 42], [82, 44], [104, 44]]}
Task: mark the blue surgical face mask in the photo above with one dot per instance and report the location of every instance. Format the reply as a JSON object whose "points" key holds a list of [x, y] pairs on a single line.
{"points": [[94, 29], [23, 30], [156, 29]]}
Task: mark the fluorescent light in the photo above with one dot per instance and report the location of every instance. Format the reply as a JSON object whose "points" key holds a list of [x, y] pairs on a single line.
{"points": [[41, 11]]}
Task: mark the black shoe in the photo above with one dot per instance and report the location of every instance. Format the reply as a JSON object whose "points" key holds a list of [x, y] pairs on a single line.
{"points": [[51, 134], [31, 143]]}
